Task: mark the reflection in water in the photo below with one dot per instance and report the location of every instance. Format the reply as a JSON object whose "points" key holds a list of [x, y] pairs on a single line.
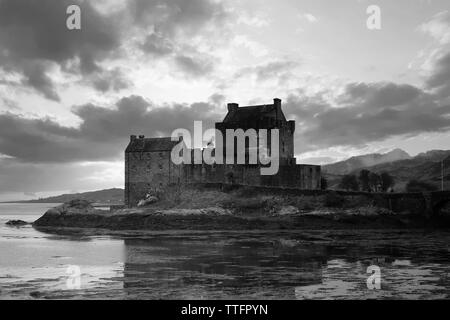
{"points": [[225, 265], [301, 265], [216, 268]]}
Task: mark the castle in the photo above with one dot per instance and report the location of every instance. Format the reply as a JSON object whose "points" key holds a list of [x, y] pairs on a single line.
{"points": [[148, 164]]}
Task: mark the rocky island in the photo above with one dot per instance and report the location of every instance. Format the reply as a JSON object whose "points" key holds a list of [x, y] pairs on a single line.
{"points": [[240, 208]]}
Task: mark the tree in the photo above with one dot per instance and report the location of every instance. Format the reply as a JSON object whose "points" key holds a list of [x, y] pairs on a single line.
{"points": [[349, 182], [323, 183], [387, 181], [374, 182], [364, 180], [420, 186]]}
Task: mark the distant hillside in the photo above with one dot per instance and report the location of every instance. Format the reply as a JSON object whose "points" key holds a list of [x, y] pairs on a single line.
{"points": [[368, 160], [425, 167], [107, 196]]}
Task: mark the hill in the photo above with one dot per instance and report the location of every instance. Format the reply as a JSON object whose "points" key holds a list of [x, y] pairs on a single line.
{"points": [[424, 167], [107, 196], [364, 161]]}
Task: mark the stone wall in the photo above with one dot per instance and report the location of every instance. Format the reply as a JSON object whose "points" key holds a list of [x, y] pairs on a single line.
{"points": [[146, 172], [288, 176]]}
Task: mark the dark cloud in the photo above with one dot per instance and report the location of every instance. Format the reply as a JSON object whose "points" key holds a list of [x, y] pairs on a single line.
{"points": [[157, 45], [439, 81], [34, 38], [41, 39], [196, 66], [171, 24], [170, 17], [110, 80], [36, 77], [217, 99], [380, 94], [372, 112], [103, 133], [378, 111]]}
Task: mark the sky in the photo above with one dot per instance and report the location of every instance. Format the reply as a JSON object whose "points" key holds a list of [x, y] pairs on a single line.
{"points": [[70, 99]]}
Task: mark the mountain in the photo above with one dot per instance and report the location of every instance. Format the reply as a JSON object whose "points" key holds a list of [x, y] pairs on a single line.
{"points": [[107, 196], [368, 160], [434, 155], [425, 167]]}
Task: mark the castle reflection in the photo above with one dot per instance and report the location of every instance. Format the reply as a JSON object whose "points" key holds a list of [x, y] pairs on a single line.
{"points": [[321, 264], [196, 266]]}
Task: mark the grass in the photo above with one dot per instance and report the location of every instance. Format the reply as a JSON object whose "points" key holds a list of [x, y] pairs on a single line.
{"points": [[247, 200]]}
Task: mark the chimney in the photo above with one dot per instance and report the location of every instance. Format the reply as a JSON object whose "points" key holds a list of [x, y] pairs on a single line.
{"points": [[277, 103], [232, 107], [132, 137], [141, 136]]}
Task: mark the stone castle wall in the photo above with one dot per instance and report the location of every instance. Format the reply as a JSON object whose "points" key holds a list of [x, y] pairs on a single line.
{"points": [[148, 171], [151, 171], [289, 176]]}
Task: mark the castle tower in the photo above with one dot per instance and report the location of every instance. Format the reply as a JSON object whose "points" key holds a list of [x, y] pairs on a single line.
{"points": [[257, 117]]}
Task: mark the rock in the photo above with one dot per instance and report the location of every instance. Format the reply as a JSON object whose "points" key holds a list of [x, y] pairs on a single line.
{"points": [[78, 204], [147, 201], [287, 210], [212, 211], [16, 223], [72, 207]]}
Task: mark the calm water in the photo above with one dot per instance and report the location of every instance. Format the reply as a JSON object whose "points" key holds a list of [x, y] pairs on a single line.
{"points": [[414, 264]]}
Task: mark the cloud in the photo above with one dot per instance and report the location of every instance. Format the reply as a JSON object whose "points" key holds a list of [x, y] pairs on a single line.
{"points": [[110, 80], [42, 41], [168, 28], [256, 20], [438, 27], [180, 31], [365, 113], [309, 17], [362, 113], [382, 94], [196, 66], [278, 69], [36, 77], [217, 99], [9, 104], [255, 48], [439, 80], [103, 133], [157, 45], [170, 17]]}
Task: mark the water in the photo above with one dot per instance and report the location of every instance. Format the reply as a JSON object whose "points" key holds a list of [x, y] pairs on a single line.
{"points": [[414, 264]]}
